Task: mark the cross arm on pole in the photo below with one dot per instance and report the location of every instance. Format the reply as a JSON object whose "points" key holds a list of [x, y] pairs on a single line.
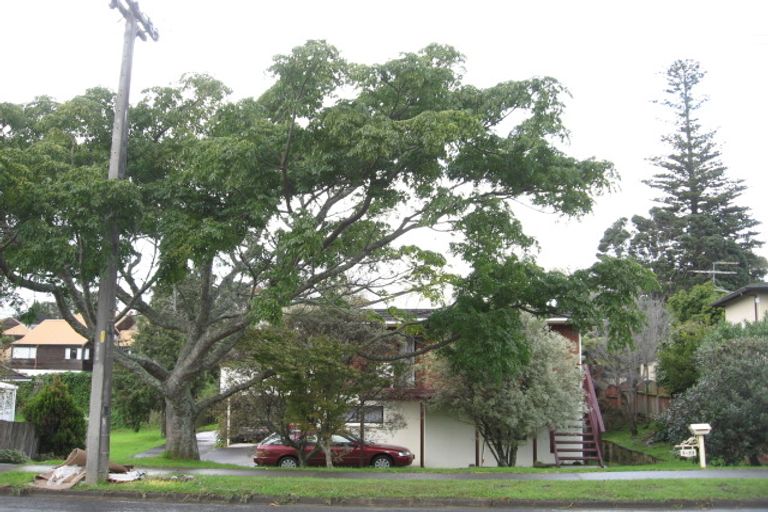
{"points": [[130, 8]]}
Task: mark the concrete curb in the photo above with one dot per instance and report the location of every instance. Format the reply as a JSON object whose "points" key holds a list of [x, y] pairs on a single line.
{"points": [[380, 502]]}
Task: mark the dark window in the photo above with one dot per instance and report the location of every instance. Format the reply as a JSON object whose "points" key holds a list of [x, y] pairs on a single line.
{"points": [[372, 414]]}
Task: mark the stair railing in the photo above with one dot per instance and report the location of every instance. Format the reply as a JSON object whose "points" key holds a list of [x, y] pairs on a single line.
{"points": [[593, 412]]}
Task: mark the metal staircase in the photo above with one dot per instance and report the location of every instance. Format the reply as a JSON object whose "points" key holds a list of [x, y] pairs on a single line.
{"points": [[581, 442]]}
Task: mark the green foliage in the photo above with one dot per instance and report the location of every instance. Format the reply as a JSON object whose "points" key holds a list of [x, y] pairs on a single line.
{"points": [[132, 402], [677, 370], [492, 296], [256, 205], [541, 389], [731, 394], [695, 305], [697, 222], [317, 374], [38, 312], [78, 386], [694, 320], [59, 422], [12, 457]]}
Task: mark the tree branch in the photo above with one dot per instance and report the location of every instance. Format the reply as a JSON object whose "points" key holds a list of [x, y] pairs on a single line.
{"points": [[147, 370], [207, 402]]}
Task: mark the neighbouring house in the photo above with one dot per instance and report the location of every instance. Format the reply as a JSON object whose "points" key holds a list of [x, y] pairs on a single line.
{"points": [[11, 376], [11, 328], [747, 304], [127, 328], [441, 439], [53, 346], [7, 402]]}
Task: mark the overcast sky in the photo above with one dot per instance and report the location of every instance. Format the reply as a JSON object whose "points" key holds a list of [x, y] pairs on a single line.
{"points": [[611, 55]]}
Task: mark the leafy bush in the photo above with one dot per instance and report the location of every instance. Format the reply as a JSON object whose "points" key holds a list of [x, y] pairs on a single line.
{"points": [[12, 457], [132, 401], [58, 420], [731, 394], [78, 384], [694, 321]]}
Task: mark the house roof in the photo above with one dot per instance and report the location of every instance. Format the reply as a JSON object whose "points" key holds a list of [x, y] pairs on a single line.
{"points": [[744, 290], [7, 374], [418, 314], [7, 323], [17, 330], [52, 332]]}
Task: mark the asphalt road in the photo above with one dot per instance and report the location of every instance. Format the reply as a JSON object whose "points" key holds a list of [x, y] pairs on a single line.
{"points": [[86, 504]]}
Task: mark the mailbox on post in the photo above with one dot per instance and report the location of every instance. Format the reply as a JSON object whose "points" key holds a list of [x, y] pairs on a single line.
{"points": [[700, 430]]}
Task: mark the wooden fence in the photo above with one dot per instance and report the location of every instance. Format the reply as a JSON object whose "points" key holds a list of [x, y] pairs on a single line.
{"points": [[651, 405], [18, 436]]}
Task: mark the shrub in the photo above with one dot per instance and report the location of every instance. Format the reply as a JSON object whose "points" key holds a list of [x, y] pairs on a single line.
{"points": [[731, 394], [12, 457], [58, 420], [78, 384]]}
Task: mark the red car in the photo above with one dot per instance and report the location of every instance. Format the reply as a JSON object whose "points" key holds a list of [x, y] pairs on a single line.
{"points": [[347, 450]]}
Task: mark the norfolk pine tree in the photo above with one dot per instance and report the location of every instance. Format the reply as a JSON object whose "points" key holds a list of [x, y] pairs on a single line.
{"points": [[697, 221]]}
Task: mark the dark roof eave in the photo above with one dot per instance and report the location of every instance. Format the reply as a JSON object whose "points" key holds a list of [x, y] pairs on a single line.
{"points": [[756, 287]]}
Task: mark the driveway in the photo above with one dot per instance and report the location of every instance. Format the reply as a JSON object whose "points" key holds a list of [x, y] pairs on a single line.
{"points": [[240, 454]]}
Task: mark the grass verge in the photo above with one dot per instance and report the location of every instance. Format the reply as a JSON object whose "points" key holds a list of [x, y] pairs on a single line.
{"points": [[288, 489]]}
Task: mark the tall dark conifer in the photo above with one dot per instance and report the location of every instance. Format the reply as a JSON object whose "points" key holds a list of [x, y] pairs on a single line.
{"points": [[696, 222]]}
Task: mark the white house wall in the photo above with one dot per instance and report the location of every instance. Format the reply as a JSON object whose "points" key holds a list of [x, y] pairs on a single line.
{"points": [[448, 441], [406, 413], [32, 373], [743, 309]]}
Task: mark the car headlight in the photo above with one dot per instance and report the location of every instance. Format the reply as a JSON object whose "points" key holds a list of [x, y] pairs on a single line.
{"points": [[404, 453]]}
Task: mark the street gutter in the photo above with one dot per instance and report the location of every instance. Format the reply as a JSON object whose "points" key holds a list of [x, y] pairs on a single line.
{"points": [[378, 502]]}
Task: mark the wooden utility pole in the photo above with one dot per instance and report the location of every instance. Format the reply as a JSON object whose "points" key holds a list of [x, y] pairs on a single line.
{"points": [[97, 443]]}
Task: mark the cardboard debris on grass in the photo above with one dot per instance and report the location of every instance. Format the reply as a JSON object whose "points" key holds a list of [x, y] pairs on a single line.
{"points": [[72, 472]]}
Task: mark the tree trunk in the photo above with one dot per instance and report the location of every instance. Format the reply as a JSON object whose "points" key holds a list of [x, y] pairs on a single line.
{"points": [[180, 436], [326, 447], [504, 451], [512, 455]]}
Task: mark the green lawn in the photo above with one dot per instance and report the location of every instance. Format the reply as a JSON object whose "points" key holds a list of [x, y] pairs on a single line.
{"points": [[125, 444], [288, 488], [664, 452]]}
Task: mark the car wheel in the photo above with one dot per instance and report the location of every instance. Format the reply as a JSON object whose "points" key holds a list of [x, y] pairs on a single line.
{"points": [[288, 462], [381, 461]]}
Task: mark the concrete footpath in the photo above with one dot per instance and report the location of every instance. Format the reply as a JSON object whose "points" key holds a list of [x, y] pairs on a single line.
{"points": [[241, 455], [384, 475]]}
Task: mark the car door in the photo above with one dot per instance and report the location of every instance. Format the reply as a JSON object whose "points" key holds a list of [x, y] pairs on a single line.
{"points": [[346, 450]]}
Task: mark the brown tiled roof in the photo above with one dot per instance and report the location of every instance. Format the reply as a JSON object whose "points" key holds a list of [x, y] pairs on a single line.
{"points": [[7, 323], [17, 330], [52, 332]]}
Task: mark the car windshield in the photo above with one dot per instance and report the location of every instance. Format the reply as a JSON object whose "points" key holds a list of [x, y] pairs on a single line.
{"points": [[273, 439]]}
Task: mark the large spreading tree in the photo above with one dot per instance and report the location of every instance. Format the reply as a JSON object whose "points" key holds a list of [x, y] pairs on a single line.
{"points": [[697, 221], [316, 190]]}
